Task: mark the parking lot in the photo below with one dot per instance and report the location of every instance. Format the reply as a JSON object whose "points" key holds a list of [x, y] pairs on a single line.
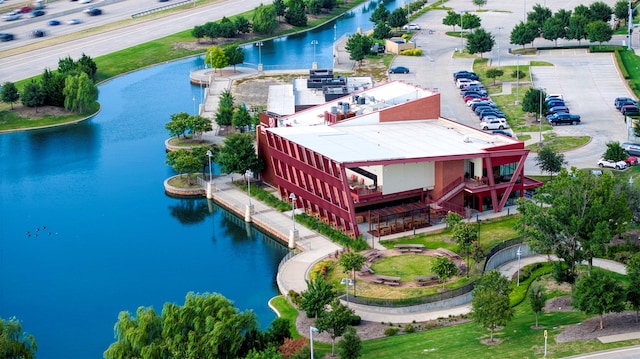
{"points": [[590, 82]]}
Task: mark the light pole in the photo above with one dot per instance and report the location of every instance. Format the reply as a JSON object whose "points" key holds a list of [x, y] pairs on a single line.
{"points": [[315, 64], [541, 92], [311, 330], [461, 28], [259, 44], [347, 282], [249, 210], [499, 33], [209, 154], [209, 189], [194, 105], [293, 236], [524, 12], [630, 25], [518, 253], [518, 77], [335, 32]]}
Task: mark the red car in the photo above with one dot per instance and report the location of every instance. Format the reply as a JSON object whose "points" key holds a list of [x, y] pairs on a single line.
{"points": [[631, 160], [24, 9]]}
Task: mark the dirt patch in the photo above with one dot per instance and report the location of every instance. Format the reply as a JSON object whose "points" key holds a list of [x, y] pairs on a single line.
{"points": [[558, 304], [254, 92], [615, 323], [30, 112]]}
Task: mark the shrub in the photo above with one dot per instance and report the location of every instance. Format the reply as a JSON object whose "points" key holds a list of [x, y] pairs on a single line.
{"points": [[391, 331], [411, 52], [355, 320], [295, 297], [518, 74], [409, 328]]}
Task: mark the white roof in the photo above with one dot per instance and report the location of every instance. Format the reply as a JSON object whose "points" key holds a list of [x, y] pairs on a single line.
{"points": [[392, 140]]}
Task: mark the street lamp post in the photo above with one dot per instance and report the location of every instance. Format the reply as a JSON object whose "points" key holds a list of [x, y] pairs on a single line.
{"points": [[518, 78], [541, 93], [209, 154], [630, 25], [259, 44], [209, 190], [311, 330], [347, 282], [461, 28], [249, 210], [499, 33], [314, 65], [194, 105], [524, 12], [293, 236], [518, 253], [335, 32]]}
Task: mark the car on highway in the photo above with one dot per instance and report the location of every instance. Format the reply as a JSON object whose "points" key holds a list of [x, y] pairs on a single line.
{"points": [[5, 36], [53, 22], [12, 16], [74, 22], [411, 27], [631, 148], [36, 13], [85, 1], [562, 118], [399, 70], [93, 11], [619, 165], [494, 124], [38, 33], [24, 9]]}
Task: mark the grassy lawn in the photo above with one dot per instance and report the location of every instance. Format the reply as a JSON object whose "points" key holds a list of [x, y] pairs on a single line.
{"points": [[11, 120], [560, 143]]}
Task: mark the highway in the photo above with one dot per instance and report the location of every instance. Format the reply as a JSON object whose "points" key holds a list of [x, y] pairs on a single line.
{"points": [[26, 57]]}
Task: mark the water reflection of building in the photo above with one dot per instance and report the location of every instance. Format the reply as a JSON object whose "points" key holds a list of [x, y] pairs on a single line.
{"points": [[384, 158]]}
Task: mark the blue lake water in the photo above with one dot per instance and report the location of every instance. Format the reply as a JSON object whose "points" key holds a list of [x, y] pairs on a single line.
{"points": [[86, 230]]}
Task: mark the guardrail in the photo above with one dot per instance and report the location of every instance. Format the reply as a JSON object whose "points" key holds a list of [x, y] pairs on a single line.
{"points": [[156, 9]]}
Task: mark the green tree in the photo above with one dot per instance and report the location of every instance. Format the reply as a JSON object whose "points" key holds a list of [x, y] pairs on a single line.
{"points": [[242, 24], [329, 4], [238, 154], [452, 219], [268, 353], [381, 31], [183, 161], [66, 65], [550, 161], [539, 15], [14, 343], [350, 346], [577, 28], [216, 58], [264, 20], [444, 268], [615, 152], [79, 92], [397, 18], [494, 73], [235, 56], [279, 7], [334, 322], [197, 125], [464, 233], [87, 65], [563, 17], [598, 31], [380, 14], [314, 6], [538, 299], [295, 14], [319, 293], [621, 10], [212, 30], [224, 115], [523, 34], [583, 10], [279, 329], [9, 93], [352, 262], [178, 125], [553, 29], [199, 32], [479, 41], [241, 118], [227, 28], [533, 98], [33, 95], [358, 46], [598, 294], [469, 21], [633, 291], [490, 301], [452, 19], [600, 11], [479, 3], [53, 85]]}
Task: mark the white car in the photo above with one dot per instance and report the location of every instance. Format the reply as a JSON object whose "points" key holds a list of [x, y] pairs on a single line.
{"points": [[411, 27], [465, 82], [620, 165], [85, 1], [12, 16], [74, 22], [494, 124]]}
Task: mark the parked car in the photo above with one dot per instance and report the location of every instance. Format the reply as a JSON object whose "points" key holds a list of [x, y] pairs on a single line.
{"points": [[491, 113], [631, 160], [36, 13], [480, 103], [12, 16], [54, 22], [4, 37], [630, 110], [631, 148], [622, 101], [465, 74], [465, 81], [399, 70], [494, 124], [85, 1], [554, 102], [557, 109], [556, 96], [93, 11], [620, 165], [501, 132], [479, 109], [38, 33], [475, 95], [411, 27], [562, 118]]}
